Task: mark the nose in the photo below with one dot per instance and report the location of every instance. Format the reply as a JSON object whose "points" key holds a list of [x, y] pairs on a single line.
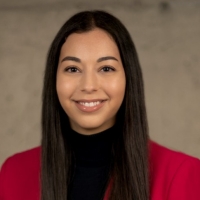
{"points": [[89, 82]]}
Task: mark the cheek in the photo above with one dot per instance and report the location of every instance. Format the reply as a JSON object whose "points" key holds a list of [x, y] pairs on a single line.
{"points": [[64, 87], [116, 88]]}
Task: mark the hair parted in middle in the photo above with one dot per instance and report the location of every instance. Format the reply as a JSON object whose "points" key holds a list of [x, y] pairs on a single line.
{"points": [[129, 170]]}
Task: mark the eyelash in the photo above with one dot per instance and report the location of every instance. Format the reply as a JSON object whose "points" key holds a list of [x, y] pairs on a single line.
{"points": [[70, 68], [110, 68]]}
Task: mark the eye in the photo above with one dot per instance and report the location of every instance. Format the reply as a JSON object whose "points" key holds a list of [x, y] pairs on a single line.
{"points": [[107, 69], [71, 69]]}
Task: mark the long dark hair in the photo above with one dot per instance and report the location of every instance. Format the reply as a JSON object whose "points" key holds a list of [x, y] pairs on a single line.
{"points": [[129, 172]]}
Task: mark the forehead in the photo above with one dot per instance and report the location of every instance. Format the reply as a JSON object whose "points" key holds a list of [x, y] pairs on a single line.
{"points": [[94, 34], [95, 42]]}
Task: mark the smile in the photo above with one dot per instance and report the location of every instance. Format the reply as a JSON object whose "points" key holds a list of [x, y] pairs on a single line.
{"points": [[89, 105]]}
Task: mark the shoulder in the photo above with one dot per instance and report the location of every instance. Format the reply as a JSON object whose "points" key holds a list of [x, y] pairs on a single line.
{"points": [[162, 158], [23, 159], [173, 174], [19, 173], [163, 155], [22, 162]]}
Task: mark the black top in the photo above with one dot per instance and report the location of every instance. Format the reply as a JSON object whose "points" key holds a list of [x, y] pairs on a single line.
{"points": [[92, 164]]}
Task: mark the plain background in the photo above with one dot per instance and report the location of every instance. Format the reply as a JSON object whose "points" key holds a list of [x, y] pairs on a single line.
{"points": [[167, 38]]}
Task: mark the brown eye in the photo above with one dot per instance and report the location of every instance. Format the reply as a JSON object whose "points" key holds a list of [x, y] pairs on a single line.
{"points": [[71, 70], [107, 69]]}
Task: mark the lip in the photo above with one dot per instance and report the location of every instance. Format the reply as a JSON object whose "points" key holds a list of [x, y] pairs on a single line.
{"points": [[89, 109], [89, 100]]}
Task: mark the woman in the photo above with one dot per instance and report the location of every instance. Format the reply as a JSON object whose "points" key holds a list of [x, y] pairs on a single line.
{"points": [[95, 142]]}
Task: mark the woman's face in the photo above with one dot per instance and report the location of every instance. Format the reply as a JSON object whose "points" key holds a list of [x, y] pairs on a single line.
{"points": [[90, 81]]}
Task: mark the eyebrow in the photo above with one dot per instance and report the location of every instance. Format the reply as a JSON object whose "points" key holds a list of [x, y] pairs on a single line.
{"points": [[106, 58], [72, 58]]}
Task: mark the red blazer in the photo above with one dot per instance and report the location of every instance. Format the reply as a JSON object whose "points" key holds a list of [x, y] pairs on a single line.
{"points": [[173, 175]]}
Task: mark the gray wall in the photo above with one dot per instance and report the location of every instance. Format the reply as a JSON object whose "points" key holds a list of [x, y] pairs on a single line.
{"points": [[167, 37]]}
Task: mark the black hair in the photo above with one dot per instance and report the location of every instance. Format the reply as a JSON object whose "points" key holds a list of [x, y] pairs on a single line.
{"points": [[129, 172]]}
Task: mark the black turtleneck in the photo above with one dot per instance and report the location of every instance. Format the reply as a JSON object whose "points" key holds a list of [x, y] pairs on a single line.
{"points": [[92, 164]]}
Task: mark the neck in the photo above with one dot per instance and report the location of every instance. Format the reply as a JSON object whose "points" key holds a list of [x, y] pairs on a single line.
{"points": [[93, 150]]}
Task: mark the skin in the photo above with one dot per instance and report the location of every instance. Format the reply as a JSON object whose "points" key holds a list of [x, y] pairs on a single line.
{"points": [[82, 74]]}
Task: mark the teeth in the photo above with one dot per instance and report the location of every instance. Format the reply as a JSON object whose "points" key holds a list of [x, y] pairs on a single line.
{"points": [[91, 104]]}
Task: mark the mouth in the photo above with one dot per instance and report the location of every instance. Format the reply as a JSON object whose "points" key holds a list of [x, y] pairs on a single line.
{"points": [[90, 105]]}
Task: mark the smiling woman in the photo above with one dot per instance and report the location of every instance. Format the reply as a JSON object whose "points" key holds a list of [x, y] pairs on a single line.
{"points": [[90, 83], [95, 142]]}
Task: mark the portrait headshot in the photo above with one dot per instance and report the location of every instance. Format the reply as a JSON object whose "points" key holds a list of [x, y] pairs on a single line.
{"points": [[100, 101]]}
